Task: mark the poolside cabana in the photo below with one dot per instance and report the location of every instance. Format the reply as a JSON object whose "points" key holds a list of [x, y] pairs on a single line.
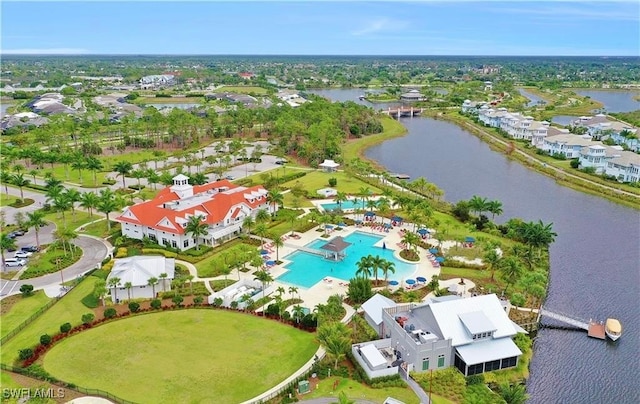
{"points": [[369, 215], [334, 249], [329, 166]]}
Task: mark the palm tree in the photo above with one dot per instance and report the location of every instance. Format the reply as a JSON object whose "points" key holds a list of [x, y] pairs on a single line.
{"points": [[61, 204], [510, 269], [100, 290], [19, 181], [261, 230], [298, 312], [263, 277], [247, 223], [114, 283], [189, 278], [492, 260], [277, 243], [89, 201], [197, 227], [128, 286], [376, 264], [280, 290], [107, 204], [78, 164], [513, 393], [335, 337], [293, 290], [387, 266], [364, 193], [340, 198], [153, 281], [94, 165], [495, 208], [275, 199], [138, 175], [411, 239], [36, 220], [123, 168], [164, 277], [72, 195], [478, 204], [364, 266], [6, 243], [262, 216]]}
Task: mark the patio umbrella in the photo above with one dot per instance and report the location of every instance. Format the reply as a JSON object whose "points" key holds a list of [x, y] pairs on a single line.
{"points": [[358, 221], [440, 259], [387, 226], [328, 226], [469, 240], [422, 232], [342, 224], [410, 281], [270, 262], [421, 279], [264, 252], [394, 283], [433, 250]]}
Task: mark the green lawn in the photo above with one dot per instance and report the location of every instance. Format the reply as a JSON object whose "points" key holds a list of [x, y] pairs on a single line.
{"points": [[356, 390], [183, 356], [242, 89], [356, 148], [302, 201], [21, 310], [68, 309], [315, 180], [72, 221], [51, 260]]}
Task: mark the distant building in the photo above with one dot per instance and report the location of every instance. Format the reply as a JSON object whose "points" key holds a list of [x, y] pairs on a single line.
{"points": [[137, 271], [413, 95], [157, 81]]}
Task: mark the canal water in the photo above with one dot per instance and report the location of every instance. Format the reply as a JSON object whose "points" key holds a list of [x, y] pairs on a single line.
{"points": [[614, 100], [595, 261], [534, 100]]}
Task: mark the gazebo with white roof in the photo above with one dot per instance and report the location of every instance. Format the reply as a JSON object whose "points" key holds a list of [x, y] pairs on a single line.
{"points": [[329, 165]]}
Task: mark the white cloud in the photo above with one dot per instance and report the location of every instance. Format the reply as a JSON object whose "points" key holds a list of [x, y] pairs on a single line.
{"points": [[45, 51], [380, 25]]}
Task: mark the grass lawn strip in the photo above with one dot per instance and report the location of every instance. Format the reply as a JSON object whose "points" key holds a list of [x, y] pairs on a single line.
{"points": [[315, 180], [20, 308], [193, 355], [355, 390], [68, 309]]}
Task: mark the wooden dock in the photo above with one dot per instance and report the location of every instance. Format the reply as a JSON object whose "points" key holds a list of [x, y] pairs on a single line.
{"points": [[400, 176], [594, 329]]}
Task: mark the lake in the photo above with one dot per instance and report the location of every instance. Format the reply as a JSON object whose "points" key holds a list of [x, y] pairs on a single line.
{"points": [[534, 100], [614, 100], [595, 270]]}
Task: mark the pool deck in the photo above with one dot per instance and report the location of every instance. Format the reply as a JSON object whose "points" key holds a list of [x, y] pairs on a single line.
{"points": [[320, 292]]}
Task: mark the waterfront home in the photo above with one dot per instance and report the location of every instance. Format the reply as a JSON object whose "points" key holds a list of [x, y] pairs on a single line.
{"points": [[568, 146], [222, 205], [373, 311], [137, 271], [597, 156], [537, 138], [472, 107], [626, 167], [492, 117], [473, 334]]}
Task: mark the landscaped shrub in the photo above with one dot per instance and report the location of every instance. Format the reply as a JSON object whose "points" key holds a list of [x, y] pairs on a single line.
{"points": [[26, 353], [194, 252], [108, 181], [333, 182], [45, 339], [198, 300], [88, 318], [475, 379], [156, 304], [134, 307], [110, 312], [26, 290], [121, 253], [217, 302], [65, 328], [177, 300], [136, 187], [152, 251]]}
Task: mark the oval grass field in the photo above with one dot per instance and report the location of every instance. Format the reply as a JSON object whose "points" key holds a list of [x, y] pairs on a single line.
{"points": [[193, 355]]}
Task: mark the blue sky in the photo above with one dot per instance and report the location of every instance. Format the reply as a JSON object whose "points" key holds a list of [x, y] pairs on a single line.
{"points": [[323, 27]]}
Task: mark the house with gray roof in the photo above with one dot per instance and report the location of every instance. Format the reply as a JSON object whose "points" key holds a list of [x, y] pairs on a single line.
{"points": [[373, 311], [626, 167], [473, 334]]}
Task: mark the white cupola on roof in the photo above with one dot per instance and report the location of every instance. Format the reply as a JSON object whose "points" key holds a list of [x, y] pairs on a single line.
{"points": [[181, 186]]}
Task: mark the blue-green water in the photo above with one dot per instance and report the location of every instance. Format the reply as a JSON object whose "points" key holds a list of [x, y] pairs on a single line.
{"points": [[349, 204], [306, 269]]}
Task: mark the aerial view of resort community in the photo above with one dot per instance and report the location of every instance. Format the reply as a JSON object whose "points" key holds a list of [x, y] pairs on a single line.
{"points": [[265, 202]]}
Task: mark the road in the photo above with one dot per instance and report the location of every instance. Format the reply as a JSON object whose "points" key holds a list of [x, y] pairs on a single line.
{"points": [[94, 251]]}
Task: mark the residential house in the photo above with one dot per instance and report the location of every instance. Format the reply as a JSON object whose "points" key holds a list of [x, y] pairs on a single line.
{"points": [[568, 145], [222, 205], [597, 156], [137, 271], [472, 107], [373, 311], [626, 167], [537, 138], [157, 81], [473, 334]]}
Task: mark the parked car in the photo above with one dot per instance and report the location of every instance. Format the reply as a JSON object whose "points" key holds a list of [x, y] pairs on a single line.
{"points": [[281, 162], [23, 254], [15, 262], [19, 232], [230, 177], [30, 248]]}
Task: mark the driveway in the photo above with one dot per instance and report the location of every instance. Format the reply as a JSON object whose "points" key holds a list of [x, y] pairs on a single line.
{"points": [[94, 251]]}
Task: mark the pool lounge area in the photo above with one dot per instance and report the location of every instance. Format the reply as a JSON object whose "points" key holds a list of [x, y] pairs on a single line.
{"points": [[305, 269]]}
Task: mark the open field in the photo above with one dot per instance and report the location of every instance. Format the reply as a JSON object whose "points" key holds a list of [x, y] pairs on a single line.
{"points": [[68, 309], [242, 89], [315, 180], [18, 309], [183, 356]]}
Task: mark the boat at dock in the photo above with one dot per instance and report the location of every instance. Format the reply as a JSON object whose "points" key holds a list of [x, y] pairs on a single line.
{"points": [[613, 329]]}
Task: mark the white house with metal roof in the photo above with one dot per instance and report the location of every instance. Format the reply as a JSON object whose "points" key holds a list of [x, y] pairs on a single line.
{"points": [[137, 271], [626, 167], [473, 334], [373, 311]]}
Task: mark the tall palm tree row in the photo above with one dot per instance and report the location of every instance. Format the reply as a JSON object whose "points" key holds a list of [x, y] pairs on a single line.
{"points": [[197, 227]]}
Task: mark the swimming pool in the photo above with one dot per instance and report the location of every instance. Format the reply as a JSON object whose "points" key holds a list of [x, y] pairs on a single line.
{"points": [[348, 204], [307, 269]]}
